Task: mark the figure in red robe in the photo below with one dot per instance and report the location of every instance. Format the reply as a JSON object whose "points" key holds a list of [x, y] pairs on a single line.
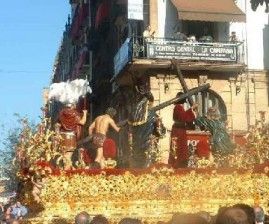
{"points": [[179, 153], [71, 120]]}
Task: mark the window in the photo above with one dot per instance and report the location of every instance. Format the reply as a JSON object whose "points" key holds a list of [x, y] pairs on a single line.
{"points": [[209, 99]]}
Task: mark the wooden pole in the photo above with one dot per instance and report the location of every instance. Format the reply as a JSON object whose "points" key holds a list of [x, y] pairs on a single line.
{"points": [[182, 80], [181, 97]]}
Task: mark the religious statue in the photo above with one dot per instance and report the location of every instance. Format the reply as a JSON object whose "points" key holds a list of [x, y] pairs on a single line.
{"points": [[141, 122], [71, 122], [221, 142], [179, 153], [98, 131]]}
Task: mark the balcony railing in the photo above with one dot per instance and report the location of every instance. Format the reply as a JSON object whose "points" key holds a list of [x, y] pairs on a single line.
{"points": [[162, 48]]}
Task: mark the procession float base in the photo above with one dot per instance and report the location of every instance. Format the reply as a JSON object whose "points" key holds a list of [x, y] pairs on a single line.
{"points": [[151, 195]]}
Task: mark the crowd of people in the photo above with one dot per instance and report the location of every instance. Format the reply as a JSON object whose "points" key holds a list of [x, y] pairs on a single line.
{"points": [[16, 213], [237, 214], [13, 212], [205, 38]]}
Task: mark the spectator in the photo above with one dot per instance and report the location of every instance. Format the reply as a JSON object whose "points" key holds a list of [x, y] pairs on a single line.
{"points": [[148, 33], [13, 221], [232, 216], [99, 219], [192, 39], [181, 218], [207, 39], [259, 215], [17, 211], [180, 36], [206, 36], [176, 217], [205, 215], [233, 37], [82, 218], [148, 36], [248, 210]]}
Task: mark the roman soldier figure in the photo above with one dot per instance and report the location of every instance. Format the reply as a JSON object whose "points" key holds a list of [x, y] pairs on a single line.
{"points": [[71, 122]]}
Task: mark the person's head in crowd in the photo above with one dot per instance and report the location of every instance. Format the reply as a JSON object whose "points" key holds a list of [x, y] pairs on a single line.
{"points": [[18, 204], [259, 215], [232, 215], [180, 218], [191, 38], [18, 210], [248, 210], [233, 37], [130, 221], [205, 215], [99, 219], [176, 216], [82, 218]]}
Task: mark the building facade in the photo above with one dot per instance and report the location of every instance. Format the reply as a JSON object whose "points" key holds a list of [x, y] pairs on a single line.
{"points": [[127, 48]]}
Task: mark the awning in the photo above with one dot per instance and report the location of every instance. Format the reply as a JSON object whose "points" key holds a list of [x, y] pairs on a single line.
{"points": [[209, 10]]}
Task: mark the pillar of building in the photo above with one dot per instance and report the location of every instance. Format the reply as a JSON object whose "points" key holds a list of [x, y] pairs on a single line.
{"points": [[153, 15]]}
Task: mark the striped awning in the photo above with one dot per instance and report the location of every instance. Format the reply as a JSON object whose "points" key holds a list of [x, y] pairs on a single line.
{"points": [[209, 10]]}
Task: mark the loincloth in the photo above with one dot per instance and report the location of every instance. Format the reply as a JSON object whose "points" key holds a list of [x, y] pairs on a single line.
{"points": [[69, 140], [98, 139]]}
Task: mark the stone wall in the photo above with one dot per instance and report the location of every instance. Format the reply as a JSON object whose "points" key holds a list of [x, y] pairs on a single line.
{"points": [[244, 96]]}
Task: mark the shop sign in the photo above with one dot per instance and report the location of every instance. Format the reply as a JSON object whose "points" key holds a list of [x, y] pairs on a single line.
{"points": [[135, 9], [192, 51]]}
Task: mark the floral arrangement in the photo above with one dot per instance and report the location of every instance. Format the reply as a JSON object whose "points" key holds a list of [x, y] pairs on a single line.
{"points": [[159, 190]]}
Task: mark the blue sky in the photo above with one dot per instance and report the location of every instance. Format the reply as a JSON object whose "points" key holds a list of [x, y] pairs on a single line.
{"points": [[30, 34]]}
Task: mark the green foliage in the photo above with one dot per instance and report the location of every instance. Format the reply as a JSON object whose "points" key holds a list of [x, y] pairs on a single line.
{"points": [[8, 168]]}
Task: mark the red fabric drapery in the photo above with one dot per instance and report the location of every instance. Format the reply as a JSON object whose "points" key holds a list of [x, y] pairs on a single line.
{"points": [[80, 15], [102, 13], [110, 148]]}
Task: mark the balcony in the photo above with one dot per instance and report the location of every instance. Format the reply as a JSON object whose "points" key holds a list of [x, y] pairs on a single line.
{"points": [[221, 56], [200, 51]]}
